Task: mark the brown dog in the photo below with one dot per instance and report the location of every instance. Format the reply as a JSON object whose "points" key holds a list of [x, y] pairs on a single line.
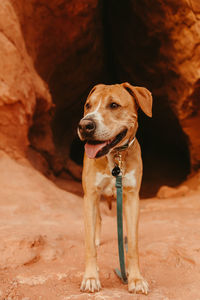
{"points": [[109, 122]]}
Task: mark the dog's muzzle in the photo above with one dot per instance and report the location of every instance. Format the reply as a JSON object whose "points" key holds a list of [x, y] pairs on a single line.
{"points": [[86, 128], [94, 147]]}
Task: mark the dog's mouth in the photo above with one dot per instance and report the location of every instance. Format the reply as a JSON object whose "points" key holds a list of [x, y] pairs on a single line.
{"points": [[96, 149]]}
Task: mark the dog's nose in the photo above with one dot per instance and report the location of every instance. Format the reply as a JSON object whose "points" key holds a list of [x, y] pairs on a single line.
{"points": [[87, 126]]}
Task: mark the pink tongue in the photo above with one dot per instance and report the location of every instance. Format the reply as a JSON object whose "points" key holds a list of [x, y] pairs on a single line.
{"points": [[92, 150]]}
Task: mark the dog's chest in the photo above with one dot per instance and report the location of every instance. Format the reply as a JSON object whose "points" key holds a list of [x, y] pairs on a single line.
{"points": [[105, 183]]}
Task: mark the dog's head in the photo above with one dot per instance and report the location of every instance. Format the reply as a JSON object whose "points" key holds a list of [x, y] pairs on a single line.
{"points": [[110, 116]]}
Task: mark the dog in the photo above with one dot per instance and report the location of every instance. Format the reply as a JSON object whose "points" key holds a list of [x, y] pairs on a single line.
{"points": [[110, 121]]}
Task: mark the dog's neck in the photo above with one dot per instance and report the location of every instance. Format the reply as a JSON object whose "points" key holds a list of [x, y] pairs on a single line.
{"points": [[118, 155], [125, 146]]}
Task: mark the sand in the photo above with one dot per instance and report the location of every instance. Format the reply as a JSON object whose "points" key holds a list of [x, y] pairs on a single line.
{"points": [[42, 242]]}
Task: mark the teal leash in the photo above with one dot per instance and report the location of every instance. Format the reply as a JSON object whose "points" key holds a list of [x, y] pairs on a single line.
{"points": [[122, 272], [116, 172]]}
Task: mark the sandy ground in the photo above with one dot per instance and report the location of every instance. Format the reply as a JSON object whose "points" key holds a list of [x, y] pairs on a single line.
{"points": [[42, 242]]}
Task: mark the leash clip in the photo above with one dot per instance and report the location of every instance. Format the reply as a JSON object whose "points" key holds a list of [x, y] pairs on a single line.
{"points": [[116, 171], [118, 160]]}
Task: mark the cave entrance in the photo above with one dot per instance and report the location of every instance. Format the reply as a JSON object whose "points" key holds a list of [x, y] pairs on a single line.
{"points": [[165, 153], [132, 53]]}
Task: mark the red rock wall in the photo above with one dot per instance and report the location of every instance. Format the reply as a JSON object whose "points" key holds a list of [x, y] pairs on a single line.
{"points": [[37, 39], [177, 23], [159, 47], [20, 85], [67, 46]]}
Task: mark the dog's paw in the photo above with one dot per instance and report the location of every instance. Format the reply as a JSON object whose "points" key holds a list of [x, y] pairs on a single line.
{"points": [[138, 285], [90, 285]]}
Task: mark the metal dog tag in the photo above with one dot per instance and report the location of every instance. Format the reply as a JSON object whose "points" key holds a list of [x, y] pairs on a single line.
{"points": [[116, 171]]}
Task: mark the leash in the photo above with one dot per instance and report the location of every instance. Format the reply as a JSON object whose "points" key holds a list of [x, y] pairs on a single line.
{"points": [[116, 172], [121, 274]]}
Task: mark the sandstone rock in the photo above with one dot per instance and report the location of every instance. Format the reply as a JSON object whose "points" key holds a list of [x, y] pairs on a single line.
{"points": [[25, 193], [44, 36], [20, 86], [60, 31], [65, 42], [170, 192]]}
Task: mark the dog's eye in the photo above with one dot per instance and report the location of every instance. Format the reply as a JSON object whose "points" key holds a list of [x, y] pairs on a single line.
{"points": [[114, 105], [87, 106]]}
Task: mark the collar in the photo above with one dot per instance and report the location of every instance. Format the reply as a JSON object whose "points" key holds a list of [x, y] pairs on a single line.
{"points": [[125, 146], [117, 170]]}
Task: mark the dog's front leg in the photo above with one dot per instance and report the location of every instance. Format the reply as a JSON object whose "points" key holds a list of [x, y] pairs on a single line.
{"points": [[136, 283], [90, 281]]}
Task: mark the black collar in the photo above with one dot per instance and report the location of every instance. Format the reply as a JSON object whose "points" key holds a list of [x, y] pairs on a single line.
{"points": [[125, 146]]}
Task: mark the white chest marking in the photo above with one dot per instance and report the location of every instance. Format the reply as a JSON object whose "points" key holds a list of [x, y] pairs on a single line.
{"points": [[105, 183]]}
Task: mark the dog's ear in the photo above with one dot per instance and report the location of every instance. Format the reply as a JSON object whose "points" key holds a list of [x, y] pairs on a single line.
{"points": [[142, 96]]}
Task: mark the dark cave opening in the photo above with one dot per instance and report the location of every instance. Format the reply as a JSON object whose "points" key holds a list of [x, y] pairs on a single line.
{"points": [[132, 55], [165, 153]]}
